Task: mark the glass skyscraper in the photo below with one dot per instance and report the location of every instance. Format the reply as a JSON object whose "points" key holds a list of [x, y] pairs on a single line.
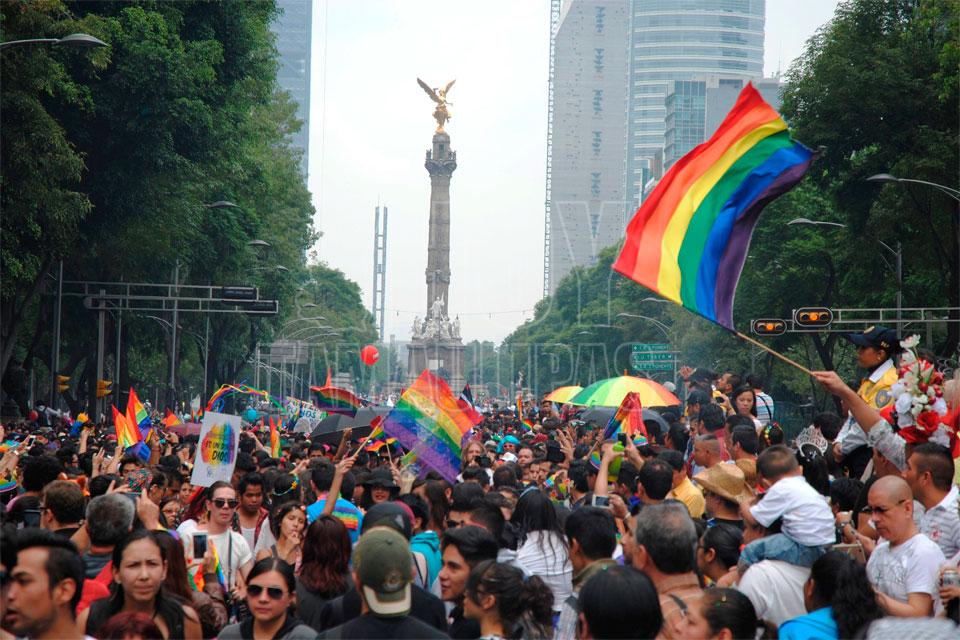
{"points": [[681, 40], [292, 28]]}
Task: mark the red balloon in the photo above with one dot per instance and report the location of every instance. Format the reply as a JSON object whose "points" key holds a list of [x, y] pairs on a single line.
{"points": [[33, 416], [369, 355]]}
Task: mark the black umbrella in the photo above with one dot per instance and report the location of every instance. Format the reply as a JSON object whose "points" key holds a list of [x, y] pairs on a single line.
{"points": [[330, 428], [602, 415]]}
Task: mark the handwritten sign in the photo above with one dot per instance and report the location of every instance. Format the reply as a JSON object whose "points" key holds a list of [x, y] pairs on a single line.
{"points": [[217, 451]]}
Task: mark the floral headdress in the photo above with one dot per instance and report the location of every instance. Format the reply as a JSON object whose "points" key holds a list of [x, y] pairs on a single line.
{"points": [[918, 397]]}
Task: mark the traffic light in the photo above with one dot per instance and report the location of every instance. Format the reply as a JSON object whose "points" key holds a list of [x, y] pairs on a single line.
{"points": [[813, 317], [63, 383], [103, 388], [769, 327]]}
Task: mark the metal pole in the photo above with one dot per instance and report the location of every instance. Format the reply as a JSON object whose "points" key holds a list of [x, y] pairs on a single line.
{"points": [[56, 339], [206, 356], [899, 289], [173, 336], [116, 357], [256, 369], [100, 339]]}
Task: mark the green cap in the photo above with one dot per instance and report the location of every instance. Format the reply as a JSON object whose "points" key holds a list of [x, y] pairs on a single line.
{"points": [[383, 564]]}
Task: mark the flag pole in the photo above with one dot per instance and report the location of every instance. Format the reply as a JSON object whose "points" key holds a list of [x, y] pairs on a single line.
{"points": [[776, 354]]}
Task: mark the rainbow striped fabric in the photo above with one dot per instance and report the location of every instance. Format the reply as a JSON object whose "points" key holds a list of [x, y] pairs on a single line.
{"points": [[429, 419], [337, 400], [274, 440], [628, 419], [689, 239], [137, 414], [378, 439], [127, 434]]}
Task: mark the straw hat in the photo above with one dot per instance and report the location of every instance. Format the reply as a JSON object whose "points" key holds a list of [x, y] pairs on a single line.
{"points": [[725, 480]]}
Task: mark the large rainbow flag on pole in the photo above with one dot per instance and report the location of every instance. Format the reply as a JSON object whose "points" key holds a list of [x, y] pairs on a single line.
{"points": [[137, 415], [689, 239], [429, 419]]}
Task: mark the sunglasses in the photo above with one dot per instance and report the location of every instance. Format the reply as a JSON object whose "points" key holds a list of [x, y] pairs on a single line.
{"points": [[222, 503], [453, 524], [881, 510], [275, 593]]}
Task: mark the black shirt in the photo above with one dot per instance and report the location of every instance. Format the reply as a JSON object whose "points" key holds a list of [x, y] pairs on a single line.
{"points": [[461, 628], [371, 626], [424, 606]]}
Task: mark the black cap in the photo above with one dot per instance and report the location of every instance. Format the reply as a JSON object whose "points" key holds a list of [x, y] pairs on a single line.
{"points": [[395, 515], [381, 477], [876, 337]]}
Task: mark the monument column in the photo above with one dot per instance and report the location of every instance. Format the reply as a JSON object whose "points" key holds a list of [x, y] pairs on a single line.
{"points": [[440, 163]]}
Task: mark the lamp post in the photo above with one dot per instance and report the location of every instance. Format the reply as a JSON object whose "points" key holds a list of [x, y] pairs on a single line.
{"points": [[76, 40], [896, 253]]}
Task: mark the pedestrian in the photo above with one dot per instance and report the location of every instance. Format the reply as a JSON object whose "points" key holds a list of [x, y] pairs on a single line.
{"points": [[720, 614], [507, 604], [270, 596], [463, 548], [235, 555], [287, 523], [542, 548], [324, 567], [619, 602]]}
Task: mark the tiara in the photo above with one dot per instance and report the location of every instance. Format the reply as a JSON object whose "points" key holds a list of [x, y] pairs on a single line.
{"points": [[811, 435]]}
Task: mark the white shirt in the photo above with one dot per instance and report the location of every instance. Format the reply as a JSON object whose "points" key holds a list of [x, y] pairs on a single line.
{"points": [[545, 555], [776, 590], [942, 525], [910, 567], [807, 518], [232, 556]]}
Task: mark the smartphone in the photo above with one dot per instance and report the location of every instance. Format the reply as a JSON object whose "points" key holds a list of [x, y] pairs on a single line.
{"points": [[132, 496], [199, 545], [31, 517]]}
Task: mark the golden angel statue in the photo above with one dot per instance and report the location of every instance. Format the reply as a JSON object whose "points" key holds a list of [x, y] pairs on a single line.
{"points": [[441, 113]]}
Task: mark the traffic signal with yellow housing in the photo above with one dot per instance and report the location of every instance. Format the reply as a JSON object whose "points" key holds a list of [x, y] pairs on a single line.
{"points": [[63, 383], [103, 388], [813, 317], [769, 327]]}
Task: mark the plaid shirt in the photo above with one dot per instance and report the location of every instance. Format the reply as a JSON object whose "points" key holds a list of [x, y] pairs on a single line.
{"points": [[942, 524]]}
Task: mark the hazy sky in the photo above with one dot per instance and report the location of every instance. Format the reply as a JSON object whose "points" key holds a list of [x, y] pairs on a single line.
{"points": [[371, 125]]}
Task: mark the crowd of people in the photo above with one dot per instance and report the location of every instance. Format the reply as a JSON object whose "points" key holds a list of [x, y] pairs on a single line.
{"points": [[711, 524]]}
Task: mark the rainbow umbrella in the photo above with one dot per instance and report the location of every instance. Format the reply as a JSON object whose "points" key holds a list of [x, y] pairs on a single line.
{"points": [[610, 393], [562, 395]]}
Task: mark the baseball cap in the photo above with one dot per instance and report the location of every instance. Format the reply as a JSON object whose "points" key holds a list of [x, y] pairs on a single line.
{"points": [[395, 515], [382, 562], [876, 337]]}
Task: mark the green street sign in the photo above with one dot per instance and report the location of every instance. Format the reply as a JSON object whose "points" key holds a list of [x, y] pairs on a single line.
{"points": [[652, 366], [650, 346], [642, 356]]}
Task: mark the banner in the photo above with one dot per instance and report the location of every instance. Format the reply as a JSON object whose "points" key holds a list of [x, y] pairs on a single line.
{"points": [[296, 409], [217, 451]]}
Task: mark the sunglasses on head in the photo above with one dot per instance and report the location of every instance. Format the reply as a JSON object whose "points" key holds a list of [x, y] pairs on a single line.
{"points": [[275, 593], [223, 502]]}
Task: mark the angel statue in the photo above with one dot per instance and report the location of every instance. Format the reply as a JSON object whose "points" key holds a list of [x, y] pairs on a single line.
{"points": [[441, 114]]}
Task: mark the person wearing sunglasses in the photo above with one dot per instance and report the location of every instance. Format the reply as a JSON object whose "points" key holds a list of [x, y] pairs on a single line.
{"points": [[904, 568], [271, 594], [236, 558]]}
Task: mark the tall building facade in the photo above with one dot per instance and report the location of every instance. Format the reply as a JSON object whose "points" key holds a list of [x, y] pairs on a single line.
{"points": [[586, 146], [293, 31], [695, 108], [677, 41]]}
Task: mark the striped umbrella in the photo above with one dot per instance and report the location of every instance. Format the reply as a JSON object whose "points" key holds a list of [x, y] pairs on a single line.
{"points": [[562, 395], [610, 393]]}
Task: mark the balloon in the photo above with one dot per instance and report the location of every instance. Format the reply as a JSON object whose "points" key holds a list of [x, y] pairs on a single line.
{"points": [[33, 416], [369, 355], [251, 415]]}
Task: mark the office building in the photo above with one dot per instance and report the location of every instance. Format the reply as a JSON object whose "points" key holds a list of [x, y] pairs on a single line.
{"points": [[695, 108], [292, 28], [586, 134], [676, 41]]}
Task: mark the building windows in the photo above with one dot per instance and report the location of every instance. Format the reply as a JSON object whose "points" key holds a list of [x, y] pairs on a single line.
{"points": [[598, 20], [597, 101], [595, 184], [594, 227], [598, 60], [597, 142]]}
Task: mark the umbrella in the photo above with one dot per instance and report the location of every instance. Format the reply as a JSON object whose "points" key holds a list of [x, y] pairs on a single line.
{"points": [[563, 394], [602, 415], [329, 429], [610, 393], [185, 429]]}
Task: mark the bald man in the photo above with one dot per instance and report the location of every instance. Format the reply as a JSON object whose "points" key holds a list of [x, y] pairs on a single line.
{"points": [[706, 451], [904, 568]]}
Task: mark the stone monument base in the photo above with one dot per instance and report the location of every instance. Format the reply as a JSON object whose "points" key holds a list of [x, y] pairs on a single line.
{"points": [[442, 357]]}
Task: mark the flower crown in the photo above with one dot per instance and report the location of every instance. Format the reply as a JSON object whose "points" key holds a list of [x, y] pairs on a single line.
{"points": [[918, 394], [293, 485]]}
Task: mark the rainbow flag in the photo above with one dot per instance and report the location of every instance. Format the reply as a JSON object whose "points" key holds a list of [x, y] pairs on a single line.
{"points": [[171, 419], [429, 419], [628, 419], [137, 415], [274, 440], [689, 239], [378, 439], [337, 400], [216, 558], [8, 444], [127, 434]]}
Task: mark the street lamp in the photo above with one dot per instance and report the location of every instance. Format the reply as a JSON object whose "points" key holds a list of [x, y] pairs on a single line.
{"points": [[886, 177], [77, 40], [222, 204], [257, 243], [896, 253]]}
